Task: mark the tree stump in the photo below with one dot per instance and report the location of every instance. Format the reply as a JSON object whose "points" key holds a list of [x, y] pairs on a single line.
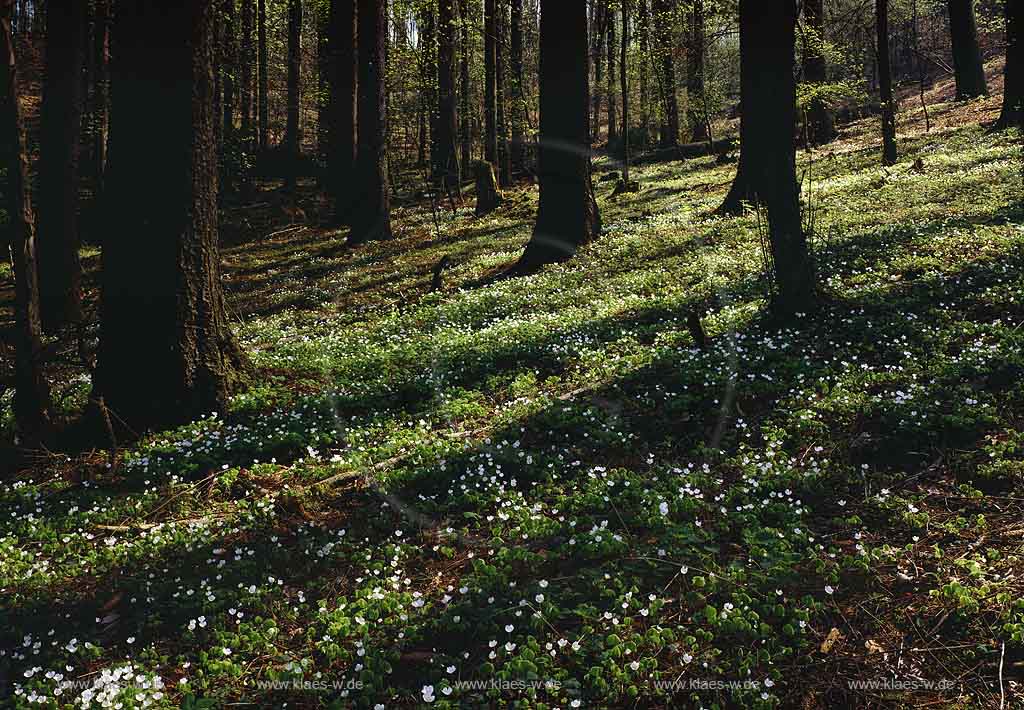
{"points": [[487, 197]]}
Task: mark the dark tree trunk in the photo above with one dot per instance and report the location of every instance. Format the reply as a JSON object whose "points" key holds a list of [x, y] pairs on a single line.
{"points": [[373, 218], [60, 271], [323, 85], [264, 78], [597, 33], [567, 216], [501, 32], [467, 50], [771, 153], [428, 88], [613, 118], [218, 80], [490, 83], [695, 73], [742, 190], [293, 144], [32, 393], [230, 66], [518, 160], [664, 11], [643, 36], [624, 85], [1013, 72], [487, 197], [162, 301], [101, 92], [969, 71], [447, 122], [820, 124], [889, 153], [245, 95], [341, 159]]}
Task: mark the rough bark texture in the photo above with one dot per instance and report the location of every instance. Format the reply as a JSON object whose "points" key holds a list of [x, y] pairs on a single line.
{"points": [[466, 51], [447, 169], [230, 58], [490, 83], [487, 197], [245, 66], [518, 148], [1013, 72], [613, 48], [264, 77], [820, 123], [341, 159], [501, 32], [293, 138], [664, 11], [968, 69], [624, 86], [772, 154], [31, 394], [695, 72], [567, 216], [101, 91], [60, 271], [889, 151], [163, 308], [373, 217], [597, 33]]}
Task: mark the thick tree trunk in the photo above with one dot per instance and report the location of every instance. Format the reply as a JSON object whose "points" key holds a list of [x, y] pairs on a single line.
{"points": [[264, 76], [624, 85], [341, 159], [695, 73], [490, 83], [487, 197], [567, 216], [968, 69], [60, 271], [162, 304], [820, 123], [447, 169], [373, 218], [1013, 72], [889, 152], [230, 66], [771, 153], [465, 53], [245, 94], [101, 92], [32, 393], [293, 139], [613, 47], [323, 86], [664, 11], [518, 148]]}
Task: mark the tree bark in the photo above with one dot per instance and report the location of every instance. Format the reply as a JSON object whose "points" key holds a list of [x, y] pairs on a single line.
{"points": [[162, 303], [820, 123], [245, 95], [60, 271], [428, 37], [742, 190], [695, 73], [624, 85], [567, 216], [293, 139], [644, 38], [967, 65], [264, 77], [447, 122], [504, 155], [613, 118], [341, 159], [490, 84], [889, 151], [466, 51], [101, 92], [518, 148], [597, 31], [1013, 73], [373, 218], [230, 53], [32, 393], [664, 11]]}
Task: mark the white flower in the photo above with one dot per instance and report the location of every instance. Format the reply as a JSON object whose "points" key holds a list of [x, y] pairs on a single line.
{"points": [[663, 508], [829, 589], [428, 693]]}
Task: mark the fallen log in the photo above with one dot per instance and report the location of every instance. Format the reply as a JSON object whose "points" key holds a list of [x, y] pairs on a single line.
{"points": [[687, 150]]}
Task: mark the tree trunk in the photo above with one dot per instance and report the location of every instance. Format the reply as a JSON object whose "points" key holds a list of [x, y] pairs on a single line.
{"points": [[742, 190], [613, 118], [487, 197], [162, 302], [664, 11], [230, 53], [341, 159], [245, 95], [373, 218], [624, 83], [101, 92], [60, 271], [467, 50], [490, 84], [771, 159], [504, 166], [293, 139], [428, 90], [518, 159], [643, 35], [323, 87], [820, 124], [963, 30], [598, 35], [264, 80], [32, 393], [695, 73], [1013, 72], [567, 216], [889, 153], [447, 122]]}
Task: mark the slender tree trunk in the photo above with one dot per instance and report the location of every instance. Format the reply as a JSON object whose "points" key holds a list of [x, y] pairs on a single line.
{"points": [[624, 83], [743, 190], [613, 118], [518, 160], [644, 35], [429, 90], [820, 123], [501, 36], [341, 160], [598, 35], [664, 18], [1013, 85], [60, 272], [245, 95], [162, 301], [968, 69], [447, 122], [293, 139], [323, 87], [101, 92], [490, 83], [567, 216], [373, 218], [264, 78], [32, 393], [464, 114], [695, 72], [889, 152], [230, 51]]}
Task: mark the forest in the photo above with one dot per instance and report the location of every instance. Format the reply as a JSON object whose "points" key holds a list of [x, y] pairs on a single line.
{"points": [[538, 354]]}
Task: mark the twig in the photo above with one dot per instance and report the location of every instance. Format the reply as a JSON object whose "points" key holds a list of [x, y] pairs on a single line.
{"points": [[1002, 692]]}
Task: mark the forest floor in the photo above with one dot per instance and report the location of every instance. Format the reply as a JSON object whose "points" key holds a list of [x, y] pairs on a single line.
{"points": [[537, 492]]}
